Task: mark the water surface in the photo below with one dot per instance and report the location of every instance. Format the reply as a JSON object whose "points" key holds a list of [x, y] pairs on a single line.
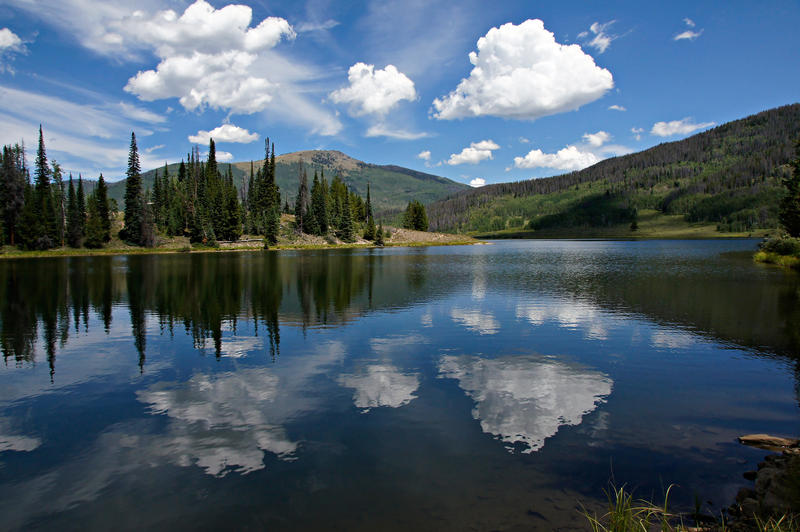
{"points": [[479, 387]]}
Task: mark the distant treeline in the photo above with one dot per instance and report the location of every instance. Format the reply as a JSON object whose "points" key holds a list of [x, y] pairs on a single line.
{"points": [[730, 175], [198, 201]]}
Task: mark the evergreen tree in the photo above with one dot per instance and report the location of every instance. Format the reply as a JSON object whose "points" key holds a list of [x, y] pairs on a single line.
{"points": [[101, 197], [346, 232], [148, 235], [319, 207], [73, 217], [379, 241], [134, 202], [415, 217], [789, 214], [369, 230], [14, 180], [301, 201], [95, 232], [31, 227], [81, 206], [59, 202], [47, 226], [368, 207]]}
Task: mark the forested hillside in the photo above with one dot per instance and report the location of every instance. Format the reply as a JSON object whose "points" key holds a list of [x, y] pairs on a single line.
{"points": [[392, 186], [729, 176]]}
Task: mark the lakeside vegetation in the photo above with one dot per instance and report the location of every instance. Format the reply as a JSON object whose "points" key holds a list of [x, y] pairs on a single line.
{"points": [[198, 206], [729, 178]]}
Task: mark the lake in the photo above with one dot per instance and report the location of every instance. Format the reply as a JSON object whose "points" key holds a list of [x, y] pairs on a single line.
{"points": [[488, 387]]}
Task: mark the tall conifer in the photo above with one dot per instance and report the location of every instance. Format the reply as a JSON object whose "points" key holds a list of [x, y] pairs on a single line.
{"points": [[134, 202]]}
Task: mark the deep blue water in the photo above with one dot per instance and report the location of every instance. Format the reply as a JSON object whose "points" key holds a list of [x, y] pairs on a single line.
{"points": [[492, 387]]}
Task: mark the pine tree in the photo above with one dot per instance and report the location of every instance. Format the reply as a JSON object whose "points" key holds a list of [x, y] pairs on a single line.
{"points": [[369, 230], [301, 201], [368, 207], [134, 201], [81, 206], [789, 214], [319, 207], [46, 227], [73, 217], [14, 178], [379, 236], [415, 217], [101, 196], [59, 202], [346, 232], [95, 232]]}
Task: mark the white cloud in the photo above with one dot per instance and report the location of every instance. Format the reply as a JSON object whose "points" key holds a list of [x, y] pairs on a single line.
{"points": [[475, 153], [425, 155], [521, 72], [525, 399], [305, 27], [374, 91], [600, 40], [151, 149], [637, 132], [678, 127], [688, 35], [224, 133], [477, 182], [616, 107], [523, 140], [597, 139], [10, 41], [381, 130], [224, 156], [569, 158]]}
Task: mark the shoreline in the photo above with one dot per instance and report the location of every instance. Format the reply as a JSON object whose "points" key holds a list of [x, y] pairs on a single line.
{"points": [[84, 252]]}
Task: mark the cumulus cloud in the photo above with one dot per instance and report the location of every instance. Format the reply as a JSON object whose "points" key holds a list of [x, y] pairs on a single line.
{"points": [[10, 41], [569, 158], [637, 132], [601, 40], [616, 107], [521, 72], [381, 130], [477, 182], [596, 139], [524, 140], [425, 155], [684, 126], [374, 91], [475, 153], [689, 22], [224, 133]]}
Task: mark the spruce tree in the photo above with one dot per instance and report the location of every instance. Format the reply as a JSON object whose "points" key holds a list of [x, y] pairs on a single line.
{"points": [[368, 207], [301, 201], [103, 211], [95, 232], [379, 241], [59, 202], [81, 206], [346, 232], [789, 213], [73, 217], [134, 201], [46, 227], [15, 179], [369, 230]]}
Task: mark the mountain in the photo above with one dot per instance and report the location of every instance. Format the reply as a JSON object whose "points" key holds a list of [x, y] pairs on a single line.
{"points": [[391, 187], [729, 176]]}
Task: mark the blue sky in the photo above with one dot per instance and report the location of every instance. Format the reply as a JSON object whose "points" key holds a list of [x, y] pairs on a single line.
{"points": [[468, 90]]}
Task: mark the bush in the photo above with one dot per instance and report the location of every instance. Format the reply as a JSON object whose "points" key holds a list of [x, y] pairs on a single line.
{"points": [[783, 245]]}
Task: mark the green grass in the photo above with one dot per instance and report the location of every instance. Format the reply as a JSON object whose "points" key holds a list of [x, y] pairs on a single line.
{"points": [[652, 225]]}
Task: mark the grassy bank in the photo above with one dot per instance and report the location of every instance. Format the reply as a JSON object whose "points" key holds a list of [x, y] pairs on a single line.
{"points": [[781, 251], [287, 241], [652, 224]]}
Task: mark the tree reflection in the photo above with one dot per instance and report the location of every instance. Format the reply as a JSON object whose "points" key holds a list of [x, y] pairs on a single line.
{"points": [[43, 302]]}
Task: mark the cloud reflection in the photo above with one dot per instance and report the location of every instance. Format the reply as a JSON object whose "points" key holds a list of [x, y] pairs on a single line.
{"points": [[476, 321], [525, 399], [381, 385], [9, 441]]}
